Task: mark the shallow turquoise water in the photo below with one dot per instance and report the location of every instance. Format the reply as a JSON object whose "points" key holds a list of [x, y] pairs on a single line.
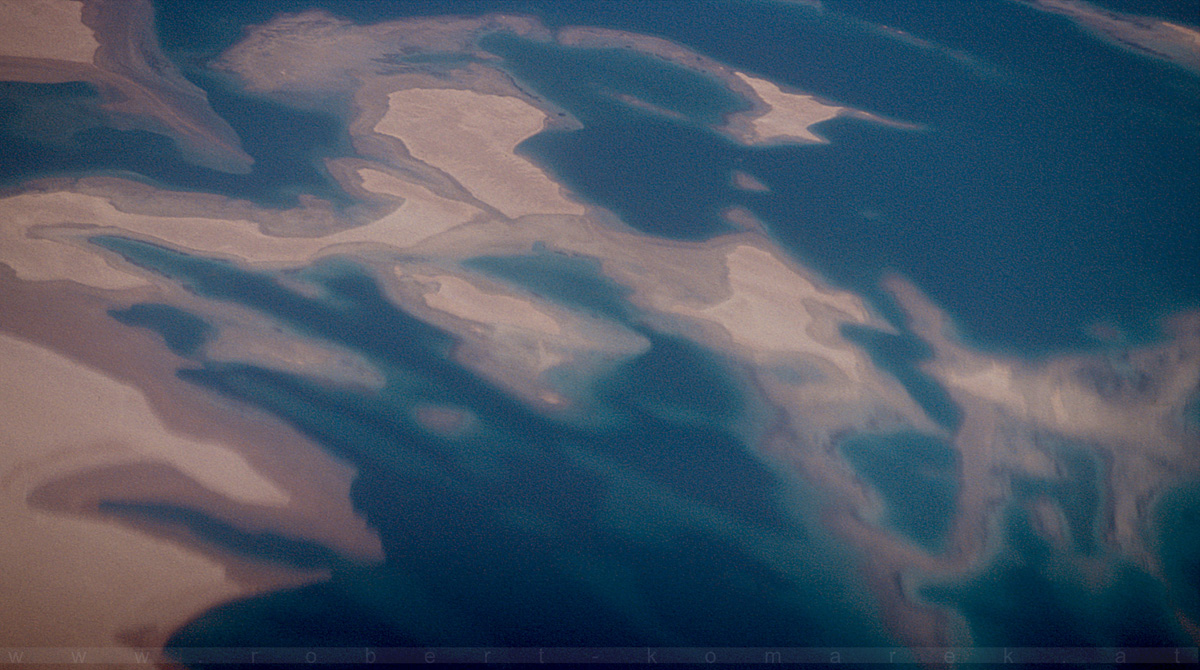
{"points": [[574, 282]]}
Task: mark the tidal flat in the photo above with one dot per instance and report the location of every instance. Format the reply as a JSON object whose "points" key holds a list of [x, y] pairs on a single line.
{"points": [[497, 364]]}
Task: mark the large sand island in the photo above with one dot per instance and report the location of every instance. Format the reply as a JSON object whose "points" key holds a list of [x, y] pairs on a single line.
{"points": [[94, 411]]}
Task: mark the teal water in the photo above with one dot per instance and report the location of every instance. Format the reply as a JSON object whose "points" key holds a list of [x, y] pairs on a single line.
{"points": [[1035, 595], [1078, 491], [260, 546], [658, 525], [570, 281], [53, 130], [1044, 195], [917, 477], [1039, 592], [1038, 200], [1176, 520], [183, 333], [899, 356]]}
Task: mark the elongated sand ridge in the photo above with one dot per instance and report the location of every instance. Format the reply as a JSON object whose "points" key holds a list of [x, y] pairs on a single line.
{"points": [[1150, 36], [92, 406]]}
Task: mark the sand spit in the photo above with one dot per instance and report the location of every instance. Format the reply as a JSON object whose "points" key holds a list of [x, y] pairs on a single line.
{"points": [[245, 337], [788, 117], [775, 115], [1151, 36], [748, 182], [458, 297]]}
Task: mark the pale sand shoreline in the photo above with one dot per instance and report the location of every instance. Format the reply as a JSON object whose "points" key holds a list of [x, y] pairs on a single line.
{"points": [[86, 408], [65, 419]]}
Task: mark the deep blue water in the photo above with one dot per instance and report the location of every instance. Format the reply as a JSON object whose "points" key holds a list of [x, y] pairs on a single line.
{"points": [[1037, 202], [1053, 188]]}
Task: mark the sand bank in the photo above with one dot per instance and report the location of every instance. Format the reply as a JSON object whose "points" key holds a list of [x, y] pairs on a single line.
{"points": [[788, 117], [316, 51], [46, 29], [768, 308], [445, 184], [1012, 410], [511, 337], [95, 413], [67, 414], [44, 235], [70, 581], [774, 115], [473, 137], [748, 182], [458, 297], [245, 337]]}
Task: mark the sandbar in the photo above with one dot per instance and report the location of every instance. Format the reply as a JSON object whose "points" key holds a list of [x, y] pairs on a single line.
{"points": [[47, 29], [789, 116], [473, 136], [1146, 35], [60, 417]]}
